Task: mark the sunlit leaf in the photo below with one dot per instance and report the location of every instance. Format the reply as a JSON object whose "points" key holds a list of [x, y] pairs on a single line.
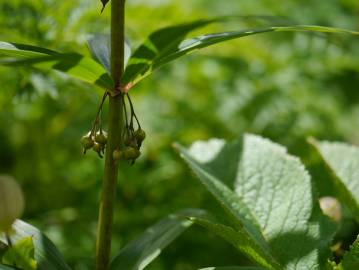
{"points": [[47, 255], [168, 44], [21, 254], [342, 161], [73, 64], [274, 189]]}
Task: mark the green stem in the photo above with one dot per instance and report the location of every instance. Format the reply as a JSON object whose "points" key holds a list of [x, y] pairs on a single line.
{"points": [[115, 118]]}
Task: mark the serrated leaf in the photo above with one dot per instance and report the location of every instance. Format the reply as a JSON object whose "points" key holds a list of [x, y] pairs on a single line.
{"points": [[351, 258], [168, 44], [72, 64], [21, 255], [143, 250], [342, 161], [275, 188], [100, 48], [46, 254]]}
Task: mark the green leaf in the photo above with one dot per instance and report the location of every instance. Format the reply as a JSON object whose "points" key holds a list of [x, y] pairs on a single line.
{"points": [[274, 189], [233, 268], [143, 250], [168, 44], [104, 3], [239, 239], [21, 255], [100, 48], [351, 258], [46, 254], [5, 267], [342, 161], [72, 64]]}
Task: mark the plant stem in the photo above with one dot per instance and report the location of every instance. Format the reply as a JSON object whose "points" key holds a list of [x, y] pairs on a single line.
{"points": [[115, 126]]}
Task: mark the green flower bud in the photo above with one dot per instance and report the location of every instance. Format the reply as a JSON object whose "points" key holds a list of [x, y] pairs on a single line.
{"points": [[131, 153], [99, 149], [117, 154], [11, 202], [140, 135], [101, 137], [87, 142]]}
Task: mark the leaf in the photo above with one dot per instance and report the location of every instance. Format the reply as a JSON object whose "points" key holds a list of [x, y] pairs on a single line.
{"points": [[168, 44], [351, 258], [259, 176], [21, 255], [5, 267], [104, 3], [342, 161], [46, 254], [143, 250], [240, 240], [233, 268], [72, 64], [100, 47]]}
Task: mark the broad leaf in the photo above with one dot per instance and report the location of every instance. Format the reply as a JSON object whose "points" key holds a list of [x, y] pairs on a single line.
{"points": [[342, 161], [143, 250], [21, 255], [259, 176], [351, 258], [100, 47], [169, 44], [73, 64], [240, 239], [46, 254]]}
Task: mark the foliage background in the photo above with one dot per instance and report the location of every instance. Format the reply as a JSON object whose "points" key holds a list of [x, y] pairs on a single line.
{"points": [[283, 86]]}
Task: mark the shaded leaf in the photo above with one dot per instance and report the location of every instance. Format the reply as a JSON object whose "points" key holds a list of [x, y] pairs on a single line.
{"points": [[100, 47], [274, 188], [240, 240], [46, 254], [143, 250], [351, 258], [21, 255], [168, 44], [73, 64], [342, 161], [5, 267], [233, 268]]}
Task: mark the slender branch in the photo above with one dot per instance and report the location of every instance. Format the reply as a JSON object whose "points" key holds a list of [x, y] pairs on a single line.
{"points": [[115, 118]]}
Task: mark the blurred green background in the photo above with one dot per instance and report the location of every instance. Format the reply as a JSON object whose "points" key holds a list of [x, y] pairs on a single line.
{"points": [[282, 86]]}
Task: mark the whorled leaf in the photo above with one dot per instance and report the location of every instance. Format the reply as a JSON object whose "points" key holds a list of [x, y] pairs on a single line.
{"points": [[275, 189], [342, 161], [168, 44], [143, 250], [104, 3], [167, 40], [100, 47], [46, 254], [72, 64]]}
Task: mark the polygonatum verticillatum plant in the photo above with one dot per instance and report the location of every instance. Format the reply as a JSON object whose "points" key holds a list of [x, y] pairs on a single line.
{"points": [[272, 214]]}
